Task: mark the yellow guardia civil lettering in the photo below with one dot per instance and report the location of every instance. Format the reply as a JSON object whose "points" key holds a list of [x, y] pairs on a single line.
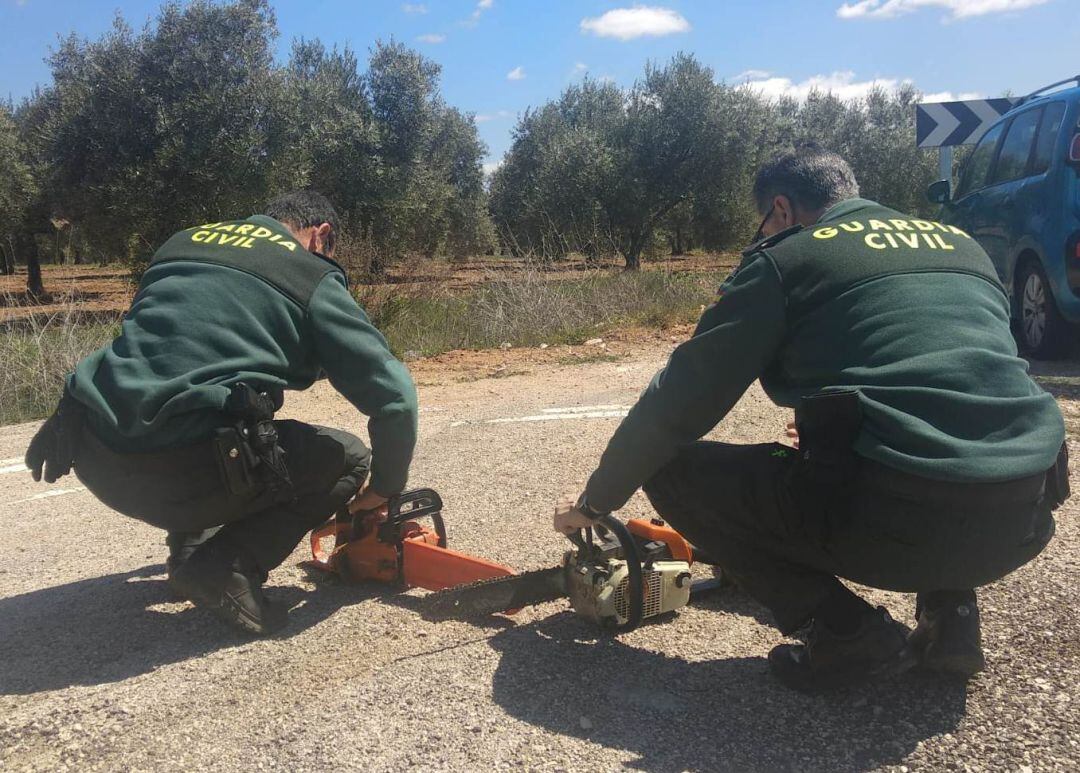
{"points": [[911, 241], [241, 235], [825, 233]]}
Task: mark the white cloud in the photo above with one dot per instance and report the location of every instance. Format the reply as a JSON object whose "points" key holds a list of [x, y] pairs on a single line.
{"points": [[958, 9], [840, 84], [580, 67], [432, 38], [491, 166], [752, 75], [949, 96], [517, 74], [485, 117], [636, 22], [414, 8], [474, 17]]}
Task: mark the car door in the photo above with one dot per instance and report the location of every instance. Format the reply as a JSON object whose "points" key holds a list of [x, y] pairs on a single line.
{"points": [[1002, 217], [1037, 202], [965, 211]]}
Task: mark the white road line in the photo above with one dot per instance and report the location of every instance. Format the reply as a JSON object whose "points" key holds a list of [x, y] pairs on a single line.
{"points": [[562, 417], [549, 417], [20, 467], [12, 460], [587, 409], [46, 494]]}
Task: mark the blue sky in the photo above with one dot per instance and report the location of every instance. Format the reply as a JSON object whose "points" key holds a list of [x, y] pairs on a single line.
{"points": [[501, 56]]}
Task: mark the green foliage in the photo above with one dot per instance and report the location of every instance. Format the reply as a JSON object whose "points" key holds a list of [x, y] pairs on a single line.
{"points": [[141, 133], [16, 189], [603, 170], [188, 121]]}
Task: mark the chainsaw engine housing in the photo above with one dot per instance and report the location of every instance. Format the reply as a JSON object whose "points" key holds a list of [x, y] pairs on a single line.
{"points": [[599, 590]]}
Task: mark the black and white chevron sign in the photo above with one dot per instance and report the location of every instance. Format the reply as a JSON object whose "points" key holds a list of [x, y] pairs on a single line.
{"points": [[944, 124]]}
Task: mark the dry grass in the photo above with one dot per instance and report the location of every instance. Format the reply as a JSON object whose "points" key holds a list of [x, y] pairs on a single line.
{"points": [[529, 309], [39, 350], [525, 308]]}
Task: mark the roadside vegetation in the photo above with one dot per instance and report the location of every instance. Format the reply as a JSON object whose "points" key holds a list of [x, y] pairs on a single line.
{"points": [[526, 309], [38, 351], [531, 309]]}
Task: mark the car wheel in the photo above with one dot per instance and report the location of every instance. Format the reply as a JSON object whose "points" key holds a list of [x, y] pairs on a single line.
{"points": [[1044, 334]]}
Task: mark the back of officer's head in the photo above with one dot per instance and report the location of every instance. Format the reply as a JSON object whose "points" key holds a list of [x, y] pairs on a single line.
{"points": [[812, 178], [301, 210]]}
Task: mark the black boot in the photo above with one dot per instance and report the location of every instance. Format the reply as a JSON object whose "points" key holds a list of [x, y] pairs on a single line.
{"points": [[182, 544], [948, 638], [875, 650], [227, 583]]}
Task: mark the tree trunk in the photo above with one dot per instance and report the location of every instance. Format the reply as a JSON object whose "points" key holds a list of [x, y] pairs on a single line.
{"points": [[34, 286], [677, 242], [633, 252], [7, 260]]}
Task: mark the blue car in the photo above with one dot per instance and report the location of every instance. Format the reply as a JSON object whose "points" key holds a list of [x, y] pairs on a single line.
{"points": [[1019, 196]]}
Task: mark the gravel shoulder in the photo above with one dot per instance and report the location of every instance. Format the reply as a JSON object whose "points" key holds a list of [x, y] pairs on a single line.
{"points": [[101, 670]]}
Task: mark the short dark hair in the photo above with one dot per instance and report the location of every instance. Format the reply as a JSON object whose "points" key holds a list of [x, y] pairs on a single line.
{"points": [[810, 176], [304, 209]]}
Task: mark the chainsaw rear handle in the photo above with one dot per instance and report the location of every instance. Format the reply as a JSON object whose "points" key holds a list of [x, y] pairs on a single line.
{"points": [[636, 582]]}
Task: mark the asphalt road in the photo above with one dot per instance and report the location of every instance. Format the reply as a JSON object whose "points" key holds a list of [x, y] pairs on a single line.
{"points": [[100, 669]]}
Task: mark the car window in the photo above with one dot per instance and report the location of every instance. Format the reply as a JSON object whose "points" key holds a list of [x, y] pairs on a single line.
{"points": [[1053, 115], [1015, 152], [979, 163]]}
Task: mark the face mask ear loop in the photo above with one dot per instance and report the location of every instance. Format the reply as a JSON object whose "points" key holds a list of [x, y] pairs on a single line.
{"points": [[759, 234]]}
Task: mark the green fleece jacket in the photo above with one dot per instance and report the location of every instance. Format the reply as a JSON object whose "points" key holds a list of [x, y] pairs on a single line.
{"points": [[242, 301], [907, 312]]}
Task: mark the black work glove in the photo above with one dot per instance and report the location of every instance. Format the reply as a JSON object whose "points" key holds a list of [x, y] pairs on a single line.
{"points": [[56, 443]]}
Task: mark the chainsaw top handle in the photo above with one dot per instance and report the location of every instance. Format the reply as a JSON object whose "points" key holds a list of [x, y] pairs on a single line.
{"points": [[408, 506], [636, 581]]}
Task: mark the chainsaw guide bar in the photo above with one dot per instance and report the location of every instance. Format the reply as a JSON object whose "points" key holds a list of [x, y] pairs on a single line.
{"points": [[498, 594]]}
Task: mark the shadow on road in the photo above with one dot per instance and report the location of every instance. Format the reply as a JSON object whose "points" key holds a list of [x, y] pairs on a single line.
{"points": [[107, 629], [710, 715]]}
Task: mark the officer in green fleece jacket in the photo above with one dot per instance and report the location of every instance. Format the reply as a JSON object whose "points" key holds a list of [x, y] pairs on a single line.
{"points": [[227, 317], [929, 460]]}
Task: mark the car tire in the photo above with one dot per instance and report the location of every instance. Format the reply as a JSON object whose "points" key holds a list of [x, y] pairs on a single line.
{"points": [[1042, 332]]}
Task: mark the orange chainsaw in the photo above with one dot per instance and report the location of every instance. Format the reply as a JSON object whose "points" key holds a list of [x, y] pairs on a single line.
{"points": [[633, 571], [391, 545]]}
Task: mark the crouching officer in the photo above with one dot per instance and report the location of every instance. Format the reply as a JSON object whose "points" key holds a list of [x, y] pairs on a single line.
{"points": [[928, 462], [172, 423]]}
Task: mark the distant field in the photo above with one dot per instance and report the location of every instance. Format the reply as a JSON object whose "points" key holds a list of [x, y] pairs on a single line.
{"points": [[97, 290]]}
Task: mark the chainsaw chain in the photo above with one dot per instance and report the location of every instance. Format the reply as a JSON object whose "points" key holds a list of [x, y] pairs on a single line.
{"points": [[475, 599]]}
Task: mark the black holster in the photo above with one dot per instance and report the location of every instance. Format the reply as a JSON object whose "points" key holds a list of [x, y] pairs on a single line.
{"points": [[1057, 479], [248, 451], [828, 424]]}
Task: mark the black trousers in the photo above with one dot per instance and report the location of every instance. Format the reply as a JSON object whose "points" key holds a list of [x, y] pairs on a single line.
{"points": [[785, 529], [181, 490]]}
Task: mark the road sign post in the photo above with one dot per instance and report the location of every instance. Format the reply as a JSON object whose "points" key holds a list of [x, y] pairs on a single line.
{"points": [[945, 163]]}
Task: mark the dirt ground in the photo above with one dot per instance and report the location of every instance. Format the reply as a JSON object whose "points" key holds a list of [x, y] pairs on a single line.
{"points": [[102, 670]]}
